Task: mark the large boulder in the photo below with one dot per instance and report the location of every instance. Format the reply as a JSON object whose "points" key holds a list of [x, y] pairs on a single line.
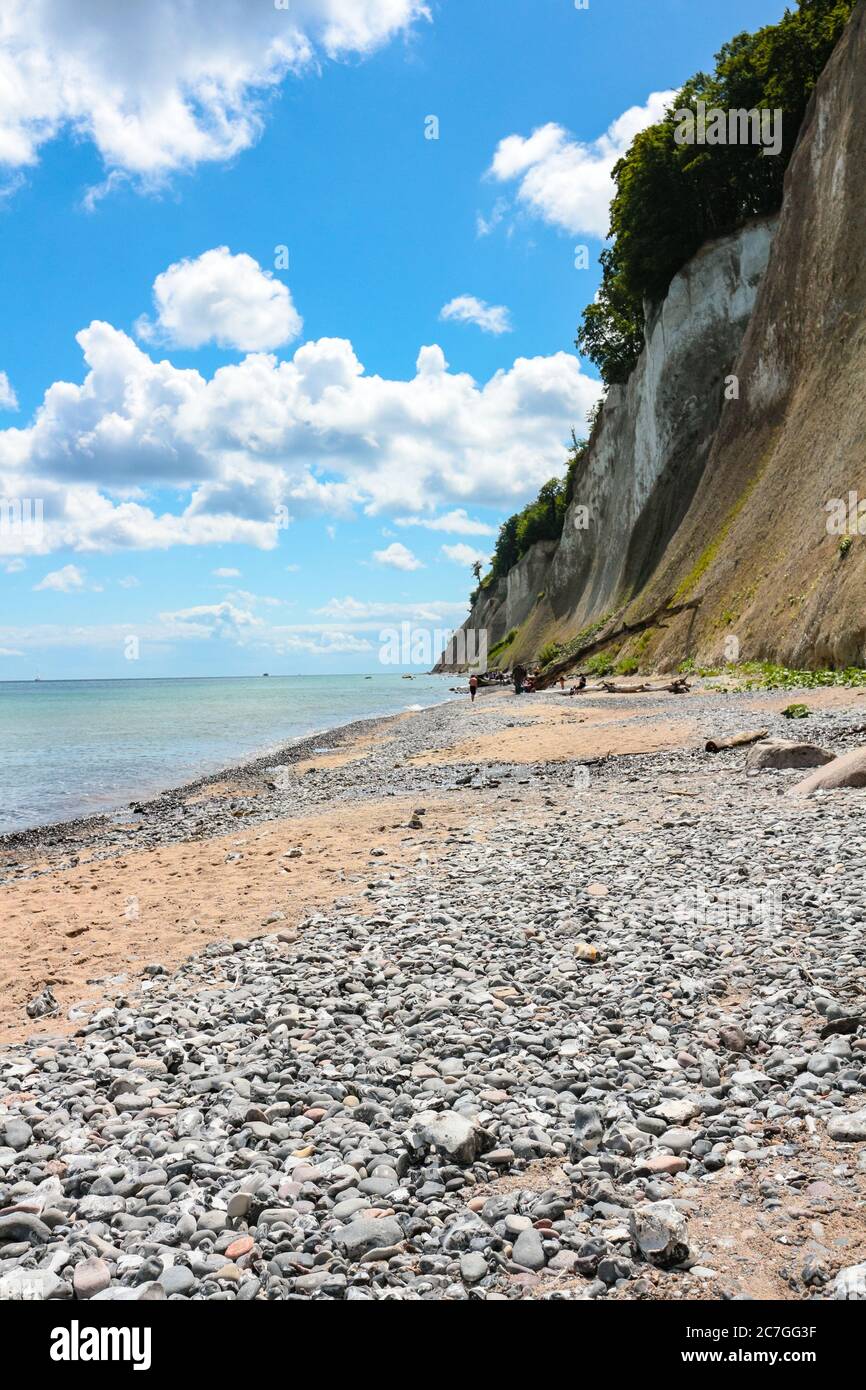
{"points": [[783, 754], [847, 771]]}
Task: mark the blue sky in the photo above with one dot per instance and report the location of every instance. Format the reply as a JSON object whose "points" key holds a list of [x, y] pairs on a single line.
{"points": [[232, 506]]}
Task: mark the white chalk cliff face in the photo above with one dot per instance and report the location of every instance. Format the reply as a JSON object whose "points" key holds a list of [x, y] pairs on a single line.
{"points": [[646, 457], [655, 433]]}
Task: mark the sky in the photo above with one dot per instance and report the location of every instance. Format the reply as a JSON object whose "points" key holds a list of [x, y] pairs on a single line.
{"points": [[289, 297]]}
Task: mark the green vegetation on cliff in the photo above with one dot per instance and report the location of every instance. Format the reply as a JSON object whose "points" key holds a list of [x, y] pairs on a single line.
{"points": [[541, 520], [670, 198]]}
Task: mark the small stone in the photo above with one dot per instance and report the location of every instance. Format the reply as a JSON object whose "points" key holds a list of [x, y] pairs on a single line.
{"points": [[587, 1133], [850, 1283], [90, 1277], [473, 1267], [659, 1231], [242, 1246], [848, 1127], [528, 1250]]}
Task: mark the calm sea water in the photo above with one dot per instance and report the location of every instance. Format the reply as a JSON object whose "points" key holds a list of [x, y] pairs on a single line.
{"points": [[72, 748]]}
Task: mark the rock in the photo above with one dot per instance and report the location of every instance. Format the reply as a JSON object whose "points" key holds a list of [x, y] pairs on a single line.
{"points": [[177, 1279], [528, 1250], [29, 1286], [850, 1283], [368, 1233], [90, 1277], [473, 1267], [784, 754], [458, 1138], [847, 771], [43, 1005], [733, 1038], [659, 1233], [15, 1133], [848, 1127], [587, 1132], [678, 1139], [242, 1246], [21, 1226], [238, 1206], [662, 1163]]}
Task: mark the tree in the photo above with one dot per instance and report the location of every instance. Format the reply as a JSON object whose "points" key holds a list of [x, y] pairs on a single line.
{"points": [[670, 198]]}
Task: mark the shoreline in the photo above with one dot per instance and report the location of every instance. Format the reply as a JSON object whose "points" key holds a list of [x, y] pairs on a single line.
{"points": [[32, 836]]}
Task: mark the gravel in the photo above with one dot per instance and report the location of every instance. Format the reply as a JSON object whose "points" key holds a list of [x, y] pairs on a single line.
{"points": [[442, 1095]]}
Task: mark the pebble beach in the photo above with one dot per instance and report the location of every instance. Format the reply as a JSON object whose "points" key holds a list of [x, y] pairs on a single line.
{"points": [[534, 999]]}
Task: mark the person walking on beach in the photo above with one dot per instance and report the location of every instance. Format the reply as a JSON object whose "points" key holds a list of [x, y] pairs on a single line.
{"points": [[518, 675], [473, 688]]}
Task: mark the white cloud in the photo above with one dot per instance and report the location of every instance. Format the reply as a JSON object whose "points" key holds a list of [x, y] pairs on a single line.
{"points": [[485, 225], [265, 440], [8, 398], [10, 651], [226, 574], [129, 582], [364, 615], [218, 620], [224, 299], [568, 182], [398, 556], [464, 554], [14, 566], [63, 581], [490, 318], [159, 86], [457, 522]]}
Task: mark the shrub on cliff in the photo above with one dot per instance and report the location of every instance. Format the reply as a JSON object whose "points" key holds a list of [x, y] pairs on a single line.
{"points": [[670, 198]]}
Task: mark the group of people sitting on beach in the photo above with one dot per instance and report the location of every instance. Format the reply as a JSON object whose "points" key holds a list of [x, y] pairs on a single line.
{"points": [[525, 682]]}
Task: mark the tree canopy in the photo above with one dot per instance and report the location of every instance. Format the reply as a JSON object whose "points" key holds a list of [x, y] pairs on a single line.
{"points": [[670, 198]]}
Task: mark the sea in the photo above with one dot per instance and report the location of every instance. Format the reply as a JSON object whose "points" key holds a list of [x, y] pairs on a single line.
{"points": [[77, 748]]}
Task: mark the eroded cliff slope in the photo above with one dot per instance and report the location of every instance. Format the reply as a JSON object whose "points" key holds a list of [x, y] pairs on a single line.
{"points": [[688, 493]]}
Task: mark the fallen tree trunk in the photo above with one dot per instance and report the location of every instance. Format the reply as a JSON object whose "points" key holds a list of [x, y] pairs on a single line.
{"points": [[678, 687], [655, 619], [715, 745]]}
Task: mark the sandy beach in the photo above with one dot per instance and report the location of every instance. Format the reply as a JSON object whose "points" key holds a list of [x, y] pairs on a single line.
{"points": [[460, 844]]}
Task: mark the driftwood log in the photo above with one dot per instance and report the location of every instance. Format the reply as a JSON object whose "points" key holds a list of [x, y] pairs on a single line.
{"points": [[677, 687], [715, 745], [655, 619]]}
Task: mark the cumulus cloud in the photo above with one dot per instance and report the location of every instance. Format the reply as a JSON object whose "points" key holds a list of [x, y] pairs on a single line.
{"points": [[226, 574], [490, 318], [264, 440], [457, 522], [223, 299], [211, 620], [159, 86], [63, 581], [8, 398], [464, 554], [568, 182], [398, 557]]}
